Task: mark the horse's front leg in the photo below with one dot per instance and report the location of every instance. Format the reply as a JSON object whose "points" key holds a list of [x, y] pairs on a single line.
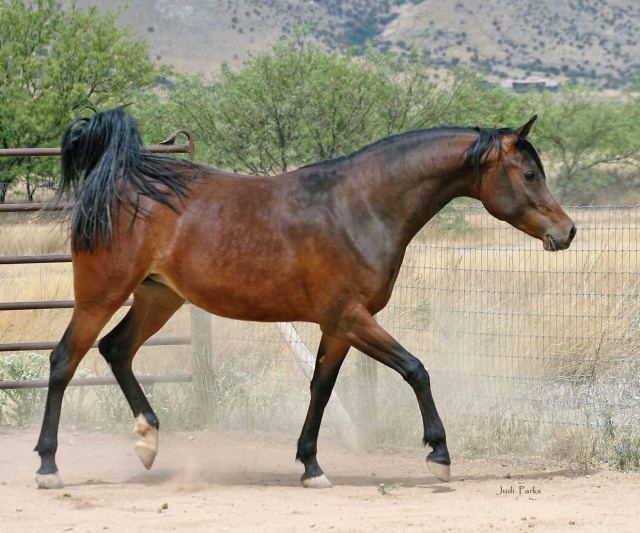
{"points": [[331, 354], [364, 334]]}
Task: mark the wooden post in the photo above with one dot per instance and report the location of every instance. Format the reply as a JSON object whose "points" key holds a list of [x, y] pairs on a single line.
{"points": [[201, 354], [367, 382]]}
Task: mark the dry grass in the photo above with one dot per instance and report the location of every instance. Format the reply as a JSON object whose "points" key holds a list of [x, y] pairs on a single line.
{"points": [[28, 234]]}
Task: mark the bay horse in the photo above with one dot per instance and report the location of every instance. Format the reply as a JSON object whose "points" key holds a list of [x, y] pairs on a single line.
{"points": [[323, 244]]}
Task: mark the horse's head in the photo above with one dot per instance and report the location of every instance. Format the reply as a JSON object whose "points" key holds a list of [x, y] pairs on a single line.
{"points": [[513, 187]]}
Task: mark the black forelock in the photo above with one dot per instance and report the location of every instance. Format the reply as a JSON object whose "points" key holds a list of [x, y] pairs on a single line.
{"points": [[490, 138]]}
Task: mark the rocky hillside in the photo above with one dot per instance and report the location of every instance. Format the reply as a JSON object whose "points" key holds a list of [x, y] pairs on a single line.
{"points": [[595, 40]]}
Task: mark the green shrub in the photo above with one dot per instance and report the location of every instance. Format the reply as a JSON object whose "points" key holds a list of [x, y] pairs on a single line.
{"points": [[20, 406]]}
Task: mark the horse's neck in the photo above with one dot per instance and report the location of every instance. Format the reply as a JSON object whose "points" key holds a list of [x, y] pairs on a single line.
{"points": [[408, 191]]}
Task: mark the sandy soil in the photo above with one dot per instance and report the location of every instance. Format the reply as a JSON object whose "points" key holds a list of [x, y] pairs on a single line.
{"points": [[211, 482]]}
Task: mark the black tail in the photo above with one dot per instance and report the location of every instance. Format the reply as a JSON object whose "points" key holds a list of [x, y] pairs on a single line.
{"points": [[104, 166]]}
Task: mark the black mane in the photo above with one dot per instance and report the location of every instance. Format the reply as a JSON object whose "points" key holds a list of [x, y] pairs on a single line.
{"points": [[475, 155]]}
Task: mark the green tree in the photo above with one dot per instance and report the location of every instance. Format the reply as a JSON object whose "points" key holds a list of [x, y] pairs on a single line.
{"points": [[53, 63], [260, 119], [585, 135], [296, 104]]}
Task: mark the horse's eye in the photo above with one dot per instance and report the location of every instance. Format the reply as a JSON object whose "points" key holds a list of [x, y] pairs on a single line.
{"points": [[530, 176]]}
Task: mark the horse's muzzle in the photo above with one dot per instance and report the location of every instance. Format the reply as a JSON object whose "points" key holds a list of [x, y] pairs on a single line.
{"points": [[555, 244]]}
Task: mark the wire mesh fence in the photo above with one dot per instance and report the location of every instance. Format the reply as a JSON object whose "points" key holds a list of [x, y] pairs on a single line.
{"points": [[530, 352]]}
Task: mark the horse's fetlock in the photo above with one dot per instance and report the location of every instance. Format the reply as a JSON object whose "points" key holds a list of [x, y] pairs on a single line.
{"points": [[436, 438], [306, 450], [153, 421], [46, 446]]}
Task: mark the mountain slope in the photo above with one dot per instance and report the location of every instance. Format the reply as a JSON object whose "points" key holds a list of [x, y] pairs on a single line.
{"points": [[595, 40]]}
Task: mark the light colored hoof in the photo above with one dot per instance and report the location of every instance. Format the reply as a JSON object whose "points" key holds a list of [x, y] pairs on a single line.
{"points": [[147, 446], [49, 481], [442, 472], [318, 482]]}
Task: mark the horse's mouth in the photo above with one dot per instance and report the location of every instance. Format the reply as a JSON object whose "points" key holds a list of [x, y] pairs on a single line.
{"points": [[552, 244], [549, 243]]}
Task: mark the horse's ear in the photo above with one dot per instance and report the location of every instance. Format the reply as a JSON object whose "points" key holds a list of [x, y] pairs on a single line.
{"points": [[523, 131]]}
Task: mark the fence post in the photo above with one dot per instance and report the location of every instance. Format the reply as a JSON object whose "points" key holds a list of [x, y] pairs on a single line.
{"points": [[201, 354], [367, 383]]}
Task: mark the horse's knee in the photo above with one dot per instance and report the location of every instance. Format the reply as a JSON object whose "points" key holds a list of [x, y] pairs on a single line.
{"points": [[416, 374]]}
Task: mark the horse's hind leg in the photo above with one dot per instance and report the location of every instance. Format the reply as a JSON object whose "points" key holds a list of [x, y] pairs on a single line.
{"points": [[331, 354], [153, 304], [81, 333]]}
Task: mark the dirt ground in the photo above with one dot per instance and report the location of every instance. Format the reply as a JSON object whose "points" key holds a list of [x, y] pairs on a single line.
{"points": [[210, 482]]}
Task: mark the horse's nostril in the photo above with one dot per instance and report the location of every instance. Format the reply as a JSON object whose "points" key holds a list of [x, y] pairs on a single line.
{"points": [[572, 233]]}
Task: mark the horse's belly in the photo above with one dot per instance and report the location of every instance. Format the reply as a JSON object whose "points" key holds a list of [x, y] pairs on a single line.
{"points": [[259, 299]]}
